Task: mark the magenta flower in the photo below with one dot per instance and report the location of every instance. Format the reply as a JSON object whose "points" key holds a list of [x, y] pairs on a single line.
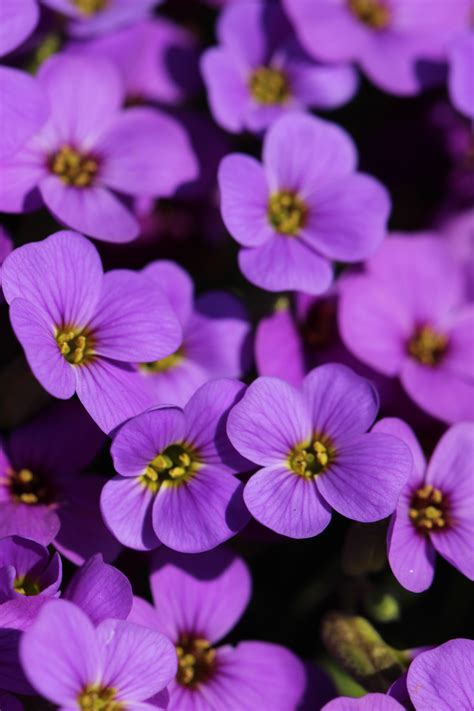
{"points": [[304, 207], [116, 665], [198, 600], [157, 60], [391, 40], [96, 17], [23, 109], [81, 328], [433, 513], [90, 152], [403, 319], [460, 84], [27, 570], [314, 452], [19, 19], [42, 494], [177, 483], [258, 71], [215, 341]]}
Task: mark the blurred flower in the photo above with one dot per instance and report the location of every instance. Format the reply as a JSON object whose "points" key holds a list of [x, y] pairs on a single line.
{"points": [[88, 18], [460, 83], [27, 570], [19, 19], [23, 109]]}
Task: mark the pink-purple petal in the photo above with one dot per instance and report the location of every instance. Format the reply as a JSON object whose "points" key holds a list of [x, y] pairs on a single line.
{"points": [[126, 506], [23, 109], [411, 555]]}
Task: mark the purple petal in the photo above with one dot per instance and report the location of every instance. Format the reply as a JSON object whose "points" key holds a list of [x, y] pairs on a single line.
{"points": [[23, 108], [94, 210], [410, 554], [269, 421], [71, 280], [126, 506], [239, 28], [100, 590], [278, 348], [342, 404], [460, 84], [138, 662], [12, 677], [200, 513], [130, 148], [177, 285], [325, 87], [400, 430], [59, 652], [204, 594], [244, 199], [367, 476], [442, 679], [142, 438], [286, 263], [227, 90], [303, 153], [369, 702], [286, 503], [460, 353], [40, 523], [19, 19]]}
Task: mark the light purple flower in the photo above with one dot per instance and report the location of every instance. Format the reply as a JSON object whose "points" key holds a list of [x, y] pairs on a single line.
{"points": [[76, 665], [81, 328], [369, 702], [215, 341], [460, 81], [391, 40], [90, 152], [258, 71], [198, 600], [407, 317], [303, 208], [314, 452], [26, 569], [89, 18], [177, 483], [19, 19], [434, 510], [459, 231], [23, 109], [156, 58]]}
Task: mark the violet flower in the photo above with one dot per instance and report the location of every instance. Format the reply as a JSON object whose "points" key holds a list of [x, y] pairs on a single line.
{"points": [[258, 71], [198, 600], [26, 569], [88, 18], [116, 665], [215, 341], [460, 83], [90, 152], [408, 317], [303, 208], [433, 513], [177, 483], [81, 328], [42, 494], [19, 19], [314, 453], [391, 40], [23, 109]]}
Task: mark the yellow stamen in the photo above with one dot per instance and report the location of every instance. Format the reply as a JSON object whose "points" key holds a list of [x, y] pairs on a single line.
{"points": [[91, 7], [269, 86], [196, 661], [75, 344], [74, 168], [427, 346], [428, 509], [312, 460], [287, 213], [373, 13]]}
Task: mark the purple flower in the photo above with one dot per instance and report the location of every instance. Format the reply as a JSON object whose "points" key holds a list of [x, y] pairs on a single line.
{"points": [[407, 317], [460, 83], [304, 207], [90, 152], [391, 40], [314, 452], [198, 601], [19, 19], [6, 246], [369, 702], [434, 509], [459, 232], [157, 60], [177, 483], [258, 71], [23, 109], [96, 17], [116, 665], [26, 569], [81, 328], [215, 338], [42, 494]]}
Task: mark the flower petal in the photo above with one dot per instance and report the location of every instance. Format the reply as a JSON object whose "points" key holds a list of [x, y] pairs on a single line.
{"points": [[23, 108], [400, 430], [19, 19], [227, 90], [40, 523], [411, 555], [126, 507], [177, 285], [278, 348]]}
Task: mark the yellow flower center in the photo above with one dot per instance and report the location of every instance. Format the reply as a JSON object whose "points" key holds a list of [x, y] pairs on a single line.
{"points": [[175, 465], [428, 510], [74, 168], [75, 344], [312, 460], [287, 213], [427, 346], [90, 7], [97, 698], [196, 661], [26, 586], [30, 488], [269, 86], [161, 366], [373, 13]]}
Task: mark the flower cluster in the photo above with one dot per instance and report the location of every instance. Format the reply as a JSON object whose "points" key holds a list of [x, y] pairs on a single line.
{"points": [[237, 363]]}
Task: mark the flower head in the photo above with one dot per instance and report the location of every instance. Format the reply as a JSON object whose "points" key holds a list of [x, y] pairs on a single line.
{"points": [[304, 207], [26, 569], [314, 452], [90, 18]]}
